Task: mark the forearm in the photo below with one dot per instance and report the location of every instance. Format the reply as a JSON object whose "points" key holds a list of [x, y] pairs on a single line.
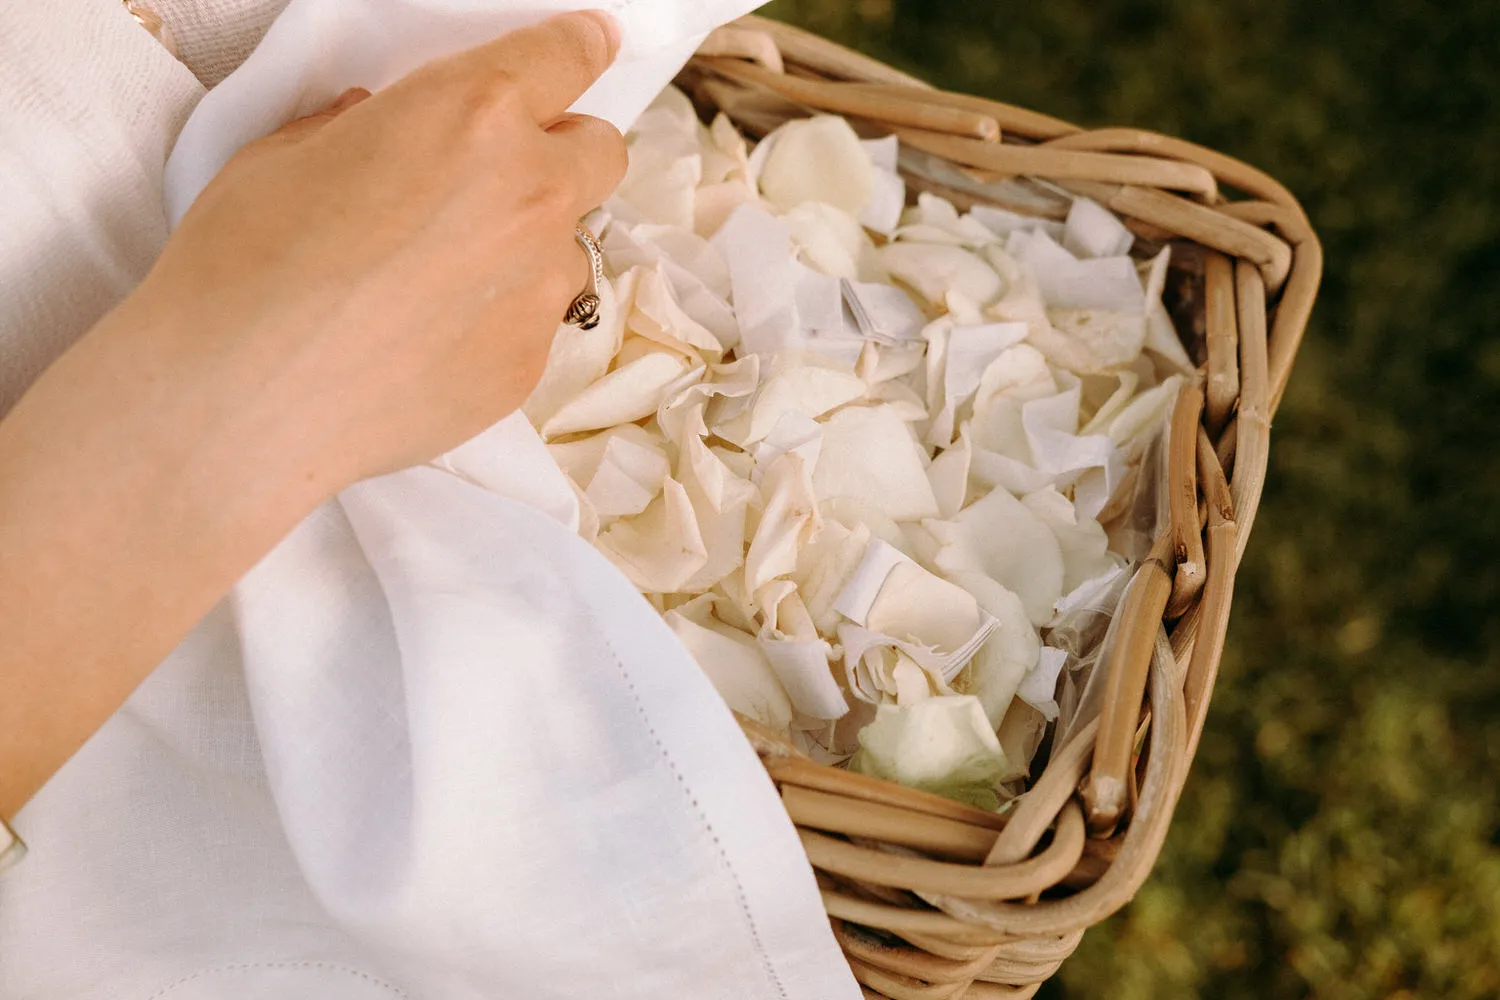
{"points": [[130, 501]]}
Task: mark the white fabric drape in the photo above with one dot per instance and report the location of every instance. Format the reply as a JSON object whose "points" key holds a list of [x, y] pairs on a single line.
{"points": [[433, 745]]}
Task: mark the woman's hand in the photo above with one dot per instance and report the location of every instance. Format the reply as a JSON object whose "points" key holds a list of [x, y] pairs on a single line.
{"points": [[356, 293], [384, 280]]}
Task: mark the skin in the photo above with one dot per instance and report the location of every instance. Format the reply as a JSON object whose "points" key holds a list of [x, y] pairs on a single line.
{"points": [[357, 293]]}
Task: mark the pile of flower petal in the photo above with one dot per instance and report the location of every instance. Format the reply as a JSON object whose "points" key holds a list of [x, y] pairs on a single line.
{"points": [[858, 453]]}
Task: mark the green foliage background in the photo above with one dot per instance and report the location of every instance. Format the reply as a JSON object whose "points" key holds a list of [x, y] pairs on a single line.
{"points": [[1340, 835]]}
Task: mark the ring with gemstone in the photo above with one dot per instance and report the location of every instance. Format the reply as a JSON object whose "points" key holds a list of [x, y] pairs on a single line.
{"points": [[584, 312]]}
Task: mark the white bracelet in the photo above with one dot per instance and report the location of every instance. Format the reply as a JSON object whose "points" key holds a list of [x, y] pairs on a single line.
{"points": [[12, 847]]}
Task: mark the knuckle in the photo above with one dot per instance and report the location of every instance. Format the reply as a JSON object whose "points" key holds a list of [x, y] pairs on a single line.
{"points": [[492, 100], [614, 155]]}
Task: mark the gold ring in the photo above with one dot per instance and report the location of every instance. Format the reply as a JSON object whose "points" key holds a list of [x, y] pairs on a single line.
{"points": [[584, 311]]}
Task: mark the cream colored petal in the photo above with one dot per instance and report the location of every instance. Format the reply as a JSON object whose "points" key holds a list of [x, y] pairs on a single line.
{"points": [[828, 239], [1092, 341], [934, 220], [726, 155], [661, 548], [899, 604], [734, 605], [1019, 374], [794, 433], [588, 518], [1051, 425], [869, 454], [1085, 548], [884, 153], [1106, 283], [697, 277], [900, 399], [689, 251], [626, 394], [579, 357], [818, 159], [991, 469], [971, 350], [1000, 537], [949, 476], [1145, 415], [809, 390], [1091, 230], [1039, 688], [1022, 301], [800, 657], [720, 501], [629, 476], [851, 511], [1112, 407], [763, 278], [884, 312], [932, 270], [738, 669], [825, 566], [789, 521], [1162, 339], [658, 318], [912, 682], [881, 362], [1002, 222], [741, 464], [942, 744], [802, 667], [883, 212], [580, 459], [688, 412], [717, 202], [658, 187], [1007, 655]]}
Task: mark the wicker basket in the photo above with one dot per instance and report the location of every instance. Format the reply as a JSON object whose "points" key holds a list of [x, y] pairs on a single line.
{"points": [[931, 898]]}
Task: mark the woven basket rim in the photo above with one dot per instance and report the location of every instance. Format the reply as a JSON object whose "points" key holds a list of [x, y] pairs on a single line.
{"points": [[933, 899]]}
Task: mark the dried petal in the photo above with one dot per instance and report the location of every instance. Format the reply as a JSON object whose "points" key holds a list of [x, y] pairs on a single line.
{"points": [[869, 454], [818, 159]]}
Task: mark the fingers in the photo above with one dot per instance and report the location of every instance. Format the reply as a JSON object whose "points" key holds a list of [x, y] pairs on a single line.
{"points": [[550, 63], [592, 153]]}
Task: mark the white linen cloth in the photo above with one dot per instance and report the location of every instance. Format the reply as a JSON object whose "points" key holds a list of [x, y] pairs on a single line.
{"points": [[433, 745]]}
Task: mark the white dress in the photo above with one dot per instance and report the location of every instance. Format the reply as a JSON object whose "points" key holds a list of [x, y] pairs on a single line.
{"points": [[432, 746]]}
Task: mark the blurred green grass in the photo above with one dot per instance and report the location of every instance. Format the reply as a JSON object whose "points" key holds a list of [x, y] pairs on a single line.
{"points": [[1340, 835]]}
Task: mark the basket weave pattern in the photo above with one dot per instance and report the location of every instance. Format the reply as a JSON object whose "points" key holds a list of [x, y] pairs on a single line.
{"points": [[932, 899]]}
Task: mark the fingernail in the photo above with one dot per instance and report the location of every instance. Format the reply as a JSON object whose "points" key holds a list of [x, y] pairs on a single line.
{"points": [[611, 26]]}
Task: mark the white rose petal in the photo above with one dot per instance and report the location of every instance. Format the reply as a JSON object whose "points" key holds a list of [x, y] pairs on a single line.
{"points": [[738, 669], [629, 476], [661, 548], [624, 395], [1085, 547], [941, 744], [869, 454], [1008, 654], [1092, 230], [934, 269], [1000, 537], [818, 159], [579, 357], [1039, 689]]}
